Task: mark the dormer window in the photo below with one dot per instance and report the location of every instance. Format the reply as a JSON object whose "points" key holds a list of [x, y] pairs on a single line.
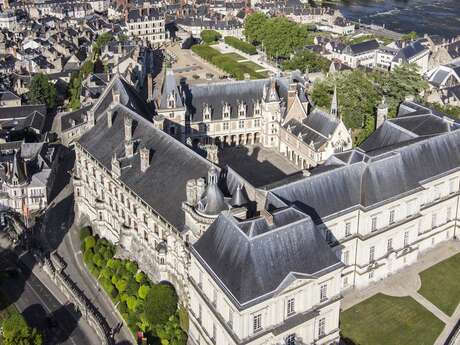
{"points": [[257, 110], [207, 113], [242, 110], [171, 100], [226, 111]]}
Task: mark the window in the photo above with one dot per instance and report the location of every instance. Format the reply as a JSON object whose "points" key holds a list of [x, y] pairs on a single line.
{"points": [[406, 238], [323, 293], [256, 123], [257, 323], [290, 339], [389, 245], [225, 126], [434, 220], [371, 274], [371, 254], [347, 229], [410, 208], [374, 223], [321, 327], [200, 279], [214, 332], [230, 317], [345, 281], [345, 257], [452, 186], [241, 124], [214, 297], [448, 214], [392, 216], [199, 312], [290, 306]]}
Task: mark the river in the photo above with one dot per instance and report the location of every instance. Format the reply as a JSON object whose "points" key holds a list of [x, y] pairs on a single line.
{"points": [[438, 17]]}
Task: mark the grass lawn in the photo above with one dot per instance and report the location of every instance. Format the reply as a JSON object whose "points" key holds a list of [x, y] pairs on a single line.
{"points": [[235, 56], [441, 284], [6, 309], [251, 65], [386, 320]]}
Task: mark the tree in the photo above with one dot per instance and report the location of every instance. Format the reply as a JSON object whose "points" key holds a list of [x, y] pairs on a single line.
{"points": [[160, 304], [171, 333], [210, 36], [17, 332], [85, 232], [42, 91], [121, 285], [90, 242], [410, 36], [307, 60], [143, 291], [254, 25]]}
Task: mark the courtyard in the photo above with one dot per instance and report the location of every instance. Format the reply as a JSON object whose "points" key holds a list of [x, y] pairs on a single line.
{"points": [[418, 305]]}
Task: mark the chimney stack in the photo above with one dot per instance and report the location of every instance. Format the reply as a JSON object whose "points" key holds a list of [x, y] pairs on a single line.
{"points": [[144, 154], [109, 117], [149, 87], [115, 96], [292, 93], [128, 128]]}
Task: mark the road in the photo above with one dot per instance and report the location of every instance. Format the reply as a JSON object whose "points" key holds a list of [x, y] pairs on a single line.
{"points": [[58, 322], [58, 233]]}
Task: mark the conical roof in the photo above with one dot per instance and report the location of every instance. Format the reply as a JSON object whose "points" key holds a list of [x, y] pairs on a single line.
{"points": [[239, 198]]}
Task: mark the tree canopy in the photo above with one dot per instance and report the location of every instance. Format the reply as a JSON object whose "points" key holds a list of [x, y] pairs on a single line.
{"points": [[280, 36], [160, 304], [17, 332], [360, 92], [307, 60], [42, 91], [210, 36]]}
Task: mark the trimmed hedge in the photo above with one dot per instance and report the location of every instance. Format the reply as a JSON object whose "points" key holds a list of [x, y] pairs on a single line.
{"points": [[240, 45], [210, 36], [225, 62]]}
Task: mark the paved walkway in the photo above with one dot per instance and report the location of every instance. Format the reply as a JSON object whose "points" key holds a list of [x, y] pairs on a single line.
{"points": [[407, 282]]}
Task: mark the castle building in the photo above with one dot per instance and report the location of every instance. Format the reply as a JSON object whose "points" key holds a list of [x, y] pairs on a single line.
{"points": [[275, 113], [147, 24], [263, 265]]}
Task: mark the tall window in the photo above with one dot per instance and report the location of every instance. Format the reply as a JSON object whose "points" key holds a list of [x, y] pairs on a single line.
{"points": [[214, 332], [434, 220], [241, 124], [371, 254], [225, 125], [257, 323], [321, 327], [389, 245], [406, 238], [230, 317], [214, 297], [374, 223], [290, 306], [290, 339], [199, 312], [347, 229], [346, 257], [392, 216], [323, 293], [449, 213]]}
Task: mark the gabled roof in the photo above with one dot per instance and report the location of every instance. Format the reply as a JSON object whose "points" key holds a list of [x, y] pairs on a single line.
{"points": [[162, 185], [409, 51], [252, 258], [409, 153]]}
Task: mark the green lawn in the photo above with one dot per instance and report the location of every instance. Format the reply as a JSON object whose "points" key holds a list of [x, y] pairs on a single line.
{"points": [[441, 284], [6, 309], [252, 65], [386, 320], [235, 56]]}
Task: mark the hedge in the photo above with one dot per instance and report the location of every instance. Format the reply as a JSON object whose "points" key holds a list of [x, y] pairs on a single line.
{"points": [[210, 36], [128, 286], [240, 45]]}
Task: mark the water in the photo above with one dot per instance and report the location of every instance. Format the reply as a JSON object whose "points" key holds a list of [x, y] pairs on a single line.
{"points": [[438, 17]]}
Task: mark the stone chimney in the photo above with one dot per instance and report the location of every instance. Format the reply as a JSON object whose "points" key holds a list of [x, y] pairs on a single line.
{"points": [[212, 153], [128, 122], [115, 96], [200, 187], [191, 192], [116, 169], [144, 155], [292, 93], [267, 216], [149, 87], [109, 117]]}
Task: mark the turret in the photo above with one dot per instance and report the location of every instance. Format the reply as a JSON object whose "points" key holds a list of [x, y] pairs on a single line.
{"points": [[335, 104], [382, 113]]}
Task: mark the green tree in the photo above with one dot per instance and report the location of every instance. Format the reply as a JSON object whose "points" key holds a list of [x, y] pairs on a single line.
{"points": [[254, 27], [90, 242], [307, 60], [42, 91], [410, 36], [121, 285], [160, 304], [17, 332], [85, 232], [210, 36], [143, 291], [171, 333]]}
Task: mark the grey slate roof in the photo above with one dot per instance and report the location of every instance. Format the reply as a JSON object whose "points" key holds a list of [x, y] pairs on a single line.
{"points": [[395, 160], [411, 50], [362, 47], [162, 185], [170, 88], [252, 258]]}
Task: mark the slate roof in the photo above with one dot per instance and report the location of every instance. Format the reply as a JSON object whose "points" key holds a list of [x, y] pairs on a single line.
{"points": [[252, 258], [216, 95], [410, 149], [411, 50], [20, 112], [362, 47], [162, 185]]}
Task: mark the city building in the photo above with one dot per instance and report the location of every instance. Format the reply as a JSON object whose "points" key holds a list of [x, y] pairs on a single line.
{"points": [[147, 24]]}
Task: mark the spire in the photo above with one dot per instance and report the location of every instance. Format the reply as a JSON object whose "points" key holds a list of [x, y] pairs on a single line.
{"points": [[334, 104], [382, 113], [17, 174]]}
